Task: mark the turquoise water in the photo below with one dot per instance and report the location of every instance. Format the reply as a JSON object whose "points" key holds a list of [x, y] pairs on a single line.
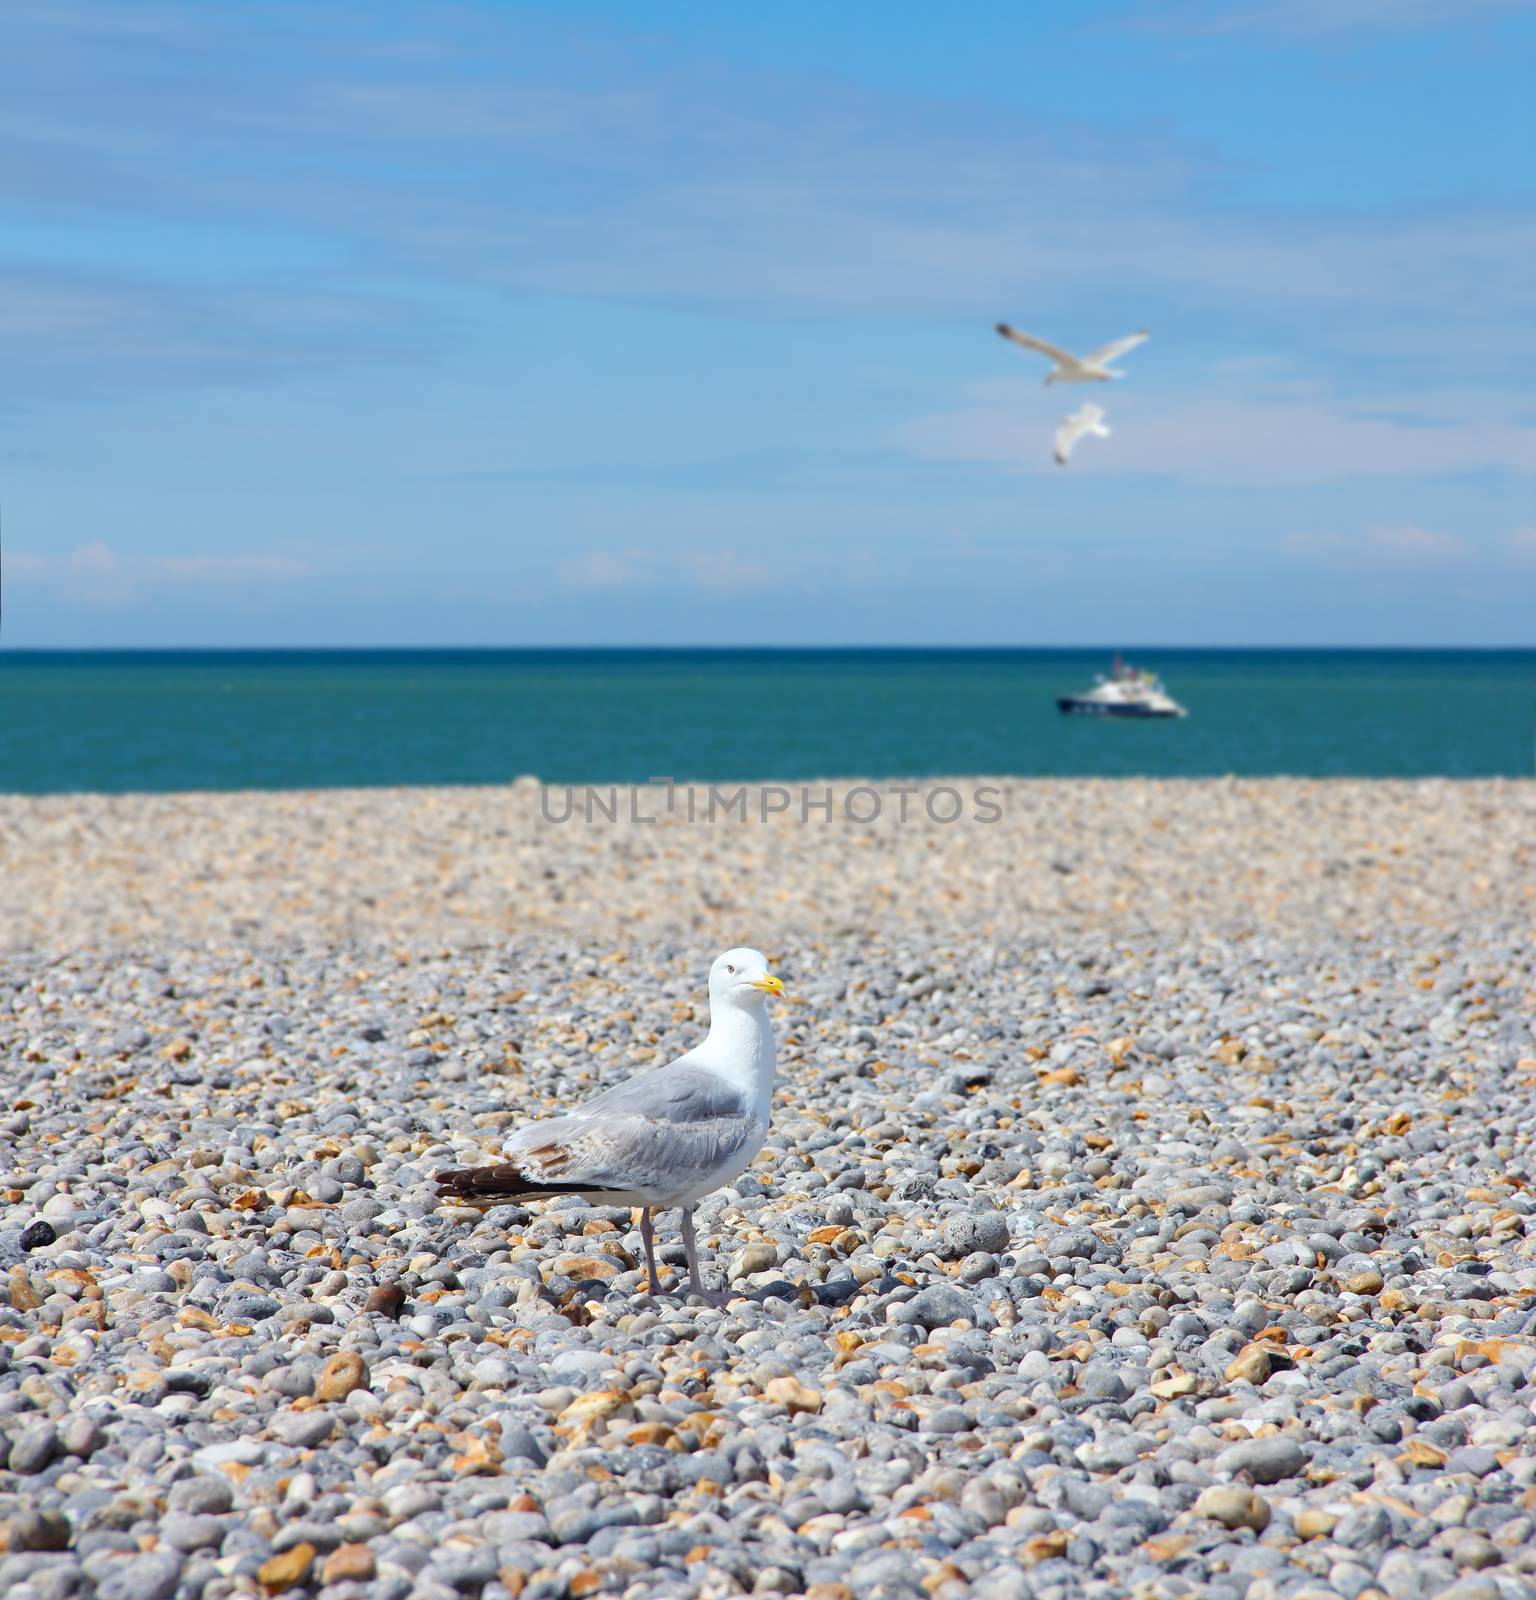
{"points": [[130, 721]]}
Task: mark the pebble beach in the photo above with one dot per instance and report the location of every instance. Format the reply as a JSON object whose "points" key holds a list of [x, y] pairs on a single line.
{"points": [[1148, 1209]]}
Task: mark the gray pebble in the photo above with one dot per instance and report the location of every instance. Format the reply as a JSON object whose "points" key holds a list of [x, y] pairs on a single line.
{"points": [[985, 1232], [204, 1494], [934, 1307], [1264, 1460], [186, 1531], [303, 1428], [34, 1447], [146, 1577]]}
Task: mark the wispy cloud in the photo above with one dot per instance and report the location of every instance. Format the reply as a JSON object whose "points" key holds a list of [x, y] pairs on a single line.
{"points": [[620, 267], [1304, 19], [1261, 430], [66, 331], [726, 570], [1402, 546], [517, 155], [605, 569], [100, 578]]}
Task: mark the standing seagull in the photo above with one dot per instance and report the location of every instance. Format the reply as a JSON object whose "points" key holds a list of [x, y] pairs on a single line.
{"points": [[1093, 368], [667, 1138], [1088, 418]]}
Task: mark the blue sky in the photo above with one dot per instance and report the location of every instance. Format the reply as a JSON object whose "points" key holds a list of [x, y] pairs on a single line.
{"points": [[519, 324]]}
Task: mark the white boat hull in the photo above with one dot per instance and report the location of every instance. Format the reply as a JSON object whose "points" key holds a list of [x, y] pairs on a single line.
{"points": [[1072, 705]]}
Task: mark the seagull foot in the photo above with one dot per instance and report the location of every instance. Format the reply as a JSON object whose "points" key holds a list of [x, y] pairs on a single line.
{"points": [[717, 1298]]}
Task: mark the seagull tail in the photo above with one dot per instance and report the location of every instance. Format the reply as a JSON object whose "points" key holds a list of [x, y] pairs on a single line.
{"points": [[503, 1181]]}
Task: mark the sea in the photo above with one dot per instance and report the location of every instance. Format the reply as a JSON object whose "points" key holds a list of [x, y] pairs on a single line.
{"points": [[134, 721]]}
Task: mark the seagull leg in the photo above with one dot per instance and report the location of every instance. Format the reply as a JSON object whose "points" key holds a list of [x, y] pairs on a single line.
{"points": [[648, 1239], [695, 1282]]}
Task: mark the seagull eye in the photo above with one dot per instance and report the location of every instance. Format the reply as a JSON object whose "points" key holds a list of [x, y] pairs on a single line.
{"points": [[729, 967]]}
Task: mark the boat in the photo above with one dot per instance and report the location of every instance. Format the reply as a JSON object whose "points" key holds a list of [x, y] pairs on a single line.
{"points": [[1127, 692]]}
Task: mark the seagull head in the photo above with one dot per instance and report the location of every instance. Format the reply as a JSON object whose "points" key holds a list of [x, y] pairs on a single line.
{"points": [[741, 978]]}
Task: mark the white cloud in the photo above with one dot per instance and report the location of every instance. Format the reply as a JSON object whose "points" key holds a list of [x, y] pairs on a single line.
{"points": [[603, 569], [724, 570], [97, 577], [1255, 430], [1402, 546], [1412, 543]]}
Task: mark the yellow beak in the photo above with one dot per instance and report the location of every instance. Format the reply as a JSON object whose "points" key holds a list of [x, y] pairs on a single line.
{"points": [[769, 985]]}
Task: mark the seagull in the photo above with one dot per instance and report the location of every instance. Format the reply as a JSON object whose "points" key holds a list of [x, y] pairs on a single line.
{"points": [[1069, 368], [1088, 418], [666, 1138]]}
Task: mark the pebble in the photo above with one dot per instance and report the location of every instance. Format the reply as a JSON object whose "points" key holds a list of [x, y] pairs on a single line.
{"points": [[1174, 1248], [145, 1577], [1264, 1460], [963, 1236], [386, 1300], [202, 1495], [31, 1529], [1252, 1364], [352, 1563], [185, 1531], [33, 1447], [303, 1428], [1476, 1551], [286, 1570], [1315, 1522], [341, 1374], [1233, 1507]]}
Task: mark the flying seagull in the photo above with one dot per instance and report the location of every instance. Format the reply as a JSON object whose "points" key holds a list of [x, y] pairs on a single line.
{"points": [[1088, 418], [666, 1138], [1093, 368]]}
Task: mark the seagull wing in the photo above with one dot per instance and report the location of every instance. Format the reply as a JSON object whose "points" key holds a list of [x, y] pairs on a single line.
{"points": [[628, 1157], [629, 1152], [1068, 431], [1086, 419], [650, 1138], [1030, 342], [1111, 352], [677, 1092]]}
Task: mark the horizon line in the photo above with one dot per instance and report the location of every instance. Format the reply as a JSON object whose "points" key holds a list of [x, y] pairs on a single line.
{"points": [[7, 650]]}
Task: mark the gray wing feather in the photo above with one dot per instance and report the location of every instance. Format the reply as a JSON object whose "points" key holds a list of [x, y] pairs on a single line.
{"points": [[662, 1131], [672, 1093], [636, 1153]]}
